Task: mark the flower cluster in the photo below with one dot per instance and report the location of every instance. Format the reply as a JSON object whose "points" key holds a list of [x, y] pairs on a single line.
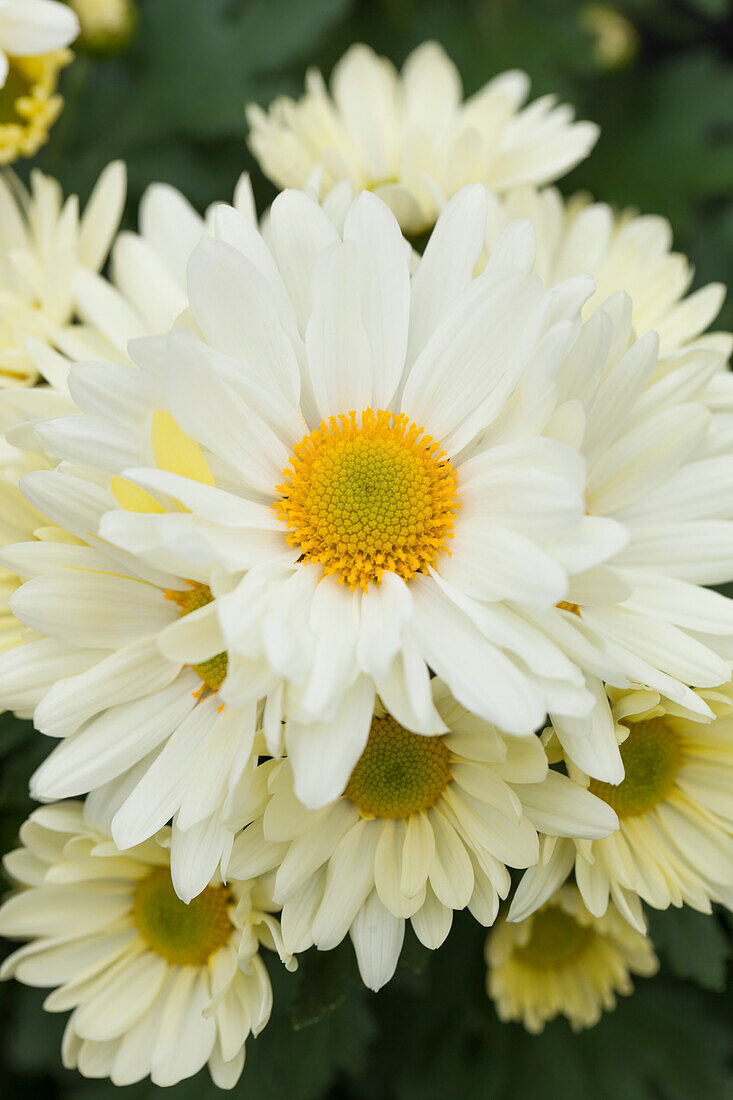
{"points": [[350, 578]]}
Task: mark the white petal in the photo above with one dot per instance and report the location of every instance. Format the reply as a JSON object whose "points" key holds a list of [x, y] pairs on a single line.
{"points": [[377, 937]]}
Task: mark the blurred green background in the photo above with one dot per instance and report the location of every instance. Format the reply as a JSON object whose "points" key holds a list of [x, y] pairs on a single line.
{"points": [[172, 106]]}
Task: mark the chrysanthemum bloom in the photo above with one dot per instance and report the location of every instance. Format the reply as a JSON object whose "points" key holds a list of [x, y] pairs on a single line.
{"points": [[344, 487], [425, 826], [29, 28], [411, 137], [43, 244], [156, 987], [153, 738], [651, 417], [564, 961], [675, 842]]}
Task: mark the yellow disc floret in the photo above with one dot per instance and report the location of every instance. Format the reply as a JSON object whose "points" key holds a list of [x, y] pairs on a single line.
{"points": [[399, 773], [368, 494], [556, 939], [29, 105], [185, 935], [212, 672], [652, 757]]}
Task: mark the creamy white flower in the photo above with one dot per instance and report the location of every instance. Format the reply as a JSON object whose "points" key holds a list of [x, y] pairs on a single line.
{"points": [[155, 987], [675, 843], [151, 737], [410, 137], [324, 328], [32, 27], [564, 961], [43, 244], [651, 414], [426, 825]]}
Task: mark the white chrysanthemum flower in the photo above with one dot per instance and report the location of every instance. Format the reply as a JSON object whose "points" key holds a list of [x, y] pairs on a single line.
{"points": [[151, 738], [564, 961], [43, 244], [675, 842], [156, 987], [411, 138], [32, 27], [425, 826], [654, 429], [347, 559]]}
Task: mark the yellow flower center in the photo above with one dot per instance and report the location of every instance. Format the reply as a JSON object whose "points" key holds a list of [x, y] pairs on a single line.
{"points": [[652, 756], [368, 494], [185, 935], [212, 672], [28, 103], [399, 773], [556, 940]]}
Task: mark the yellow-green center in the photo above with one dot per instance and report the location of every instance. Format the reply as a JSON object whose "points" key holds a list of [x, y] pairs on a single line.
{"points": [[556, 940], [399, 773], [652, 757], [185, 935], [368, 494], [212, 672]]}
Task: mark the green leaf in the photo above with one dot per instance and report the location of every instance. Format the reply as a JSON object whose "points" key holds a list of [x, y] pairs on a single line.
{"points": [[692, 944], [325, 980]]}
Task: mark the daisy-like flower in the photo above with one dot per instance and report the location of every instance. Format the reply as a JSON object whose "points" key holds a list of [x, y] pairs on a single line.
{"points": [[43, 244], [156, 987], [327, 430], [411, 137], [151, 738], [651, 418], [425, 826], [563, 961], [32, 27], [675, 842]]}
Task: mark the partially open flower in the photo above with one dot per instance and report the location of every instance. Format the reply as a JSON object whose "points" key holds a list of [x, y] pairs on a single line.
{"points": [[564, 961]]}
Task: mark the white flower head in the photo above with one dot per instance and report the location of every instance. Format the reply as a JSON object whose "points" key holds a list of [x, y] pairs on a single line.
{"points": [[426, 825], [318, 459], [562, 960], [410, 137], [155, 987], [44, 245], [675, 841], [29, 28]]}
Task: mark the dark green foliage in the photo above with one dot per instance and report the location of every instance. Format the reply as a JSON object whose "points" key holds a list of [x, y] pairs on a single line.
{"points": [[173, 108]]}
